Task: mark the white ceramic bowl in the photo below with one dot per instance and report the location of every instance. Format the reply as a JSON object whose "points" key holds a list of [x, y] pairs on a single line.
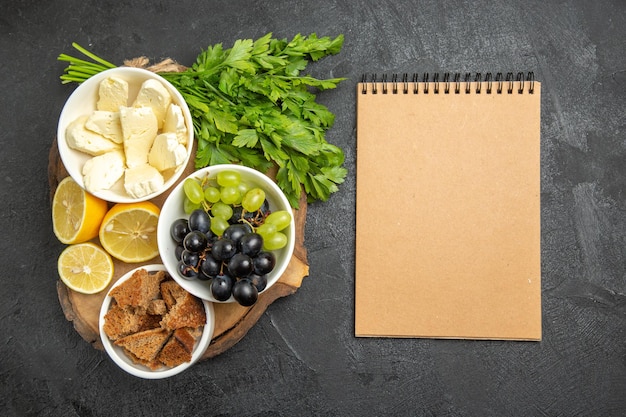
{"points": [[123, 361], [83, 102], [173, 209]]}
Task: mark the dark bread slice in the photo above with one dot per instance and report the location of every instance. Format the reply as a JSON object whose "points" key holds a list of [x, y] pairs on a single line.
{"points": [[187, 312], [186, 337], [173, 353], [171, 292], [120, 322], [139, 290], [145, 345]]}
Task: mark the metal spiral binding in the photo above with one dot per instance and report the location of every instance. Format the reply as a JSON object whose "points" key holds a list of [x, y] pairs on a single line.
{"points": [[499, 83]]}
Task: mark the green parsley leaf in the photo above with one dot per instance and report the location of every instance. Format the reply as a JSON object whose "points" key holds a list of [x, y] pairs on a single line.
{"points": [[246, 137]]}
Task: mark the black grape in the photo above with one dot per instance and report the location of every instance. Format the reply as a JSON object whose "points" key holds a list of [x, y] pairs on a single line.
{"points": [[186, 271], [237, 215], [221, 287], [179, 230], [178, 251], [245, 292], [209, 266], [240, 265], [251, 244], [195, 241], [190, 258], [199, 220], [236, 231], [259, 281], [264, 263], [223, 249]]}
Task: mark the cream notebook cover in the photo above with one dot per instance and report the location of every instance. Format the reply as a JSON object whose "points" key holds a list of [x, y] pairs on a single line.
{"points": [[448, 208]]}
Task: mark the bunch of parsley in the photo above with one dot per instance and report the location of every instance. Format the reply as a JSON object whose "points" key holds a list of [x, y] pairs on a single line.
{"points": [[251, 105]]}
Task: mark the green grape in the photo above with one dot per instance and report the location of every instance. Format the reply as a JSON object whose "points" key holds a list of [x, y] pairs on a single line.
{"points": [[281, 219], [275, 241], [229, 194], [218, 225], [237, 201], [189, 206], [228, 178], [266, 230], [193, 190], [224, 211], [212, 194], [253, 200], [243, 188]]}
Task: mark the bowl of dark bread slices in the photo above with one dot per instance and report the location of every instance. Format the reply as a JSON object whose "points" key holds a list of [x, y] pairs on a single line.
{"points": [[153, 328]]}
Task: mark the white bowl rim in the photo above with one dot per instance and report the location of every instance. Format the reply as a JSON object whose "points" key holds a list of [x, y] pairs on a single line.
{"points": [[164, 238], [118, 356], [69, 156]]}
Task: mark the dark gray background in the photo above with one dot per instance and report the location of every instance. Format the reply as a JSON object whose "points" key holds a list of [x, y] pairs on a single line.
{"points": [[302, 358]]}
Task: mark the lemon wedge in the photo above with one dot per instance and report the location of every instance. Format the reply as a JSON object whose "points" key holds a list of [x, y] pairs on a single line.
{"points": [[76, 214]]}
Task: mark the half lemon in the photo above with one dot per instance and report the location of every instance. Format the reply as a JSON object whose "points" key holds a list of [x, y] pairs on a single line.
{"points": [[85, 268], [128, 231]]}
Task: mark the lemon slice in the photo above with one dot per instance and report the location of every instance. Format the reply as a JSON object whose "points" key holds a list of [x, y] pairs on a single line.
{"points": [[76, 214], [128, 231], [85, 268]]}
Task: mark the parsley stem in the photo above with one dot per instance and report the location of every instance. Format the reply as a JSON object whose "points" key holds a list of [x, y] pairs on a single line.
{"points": [[77, 61], [218, 93], [93, 56]]}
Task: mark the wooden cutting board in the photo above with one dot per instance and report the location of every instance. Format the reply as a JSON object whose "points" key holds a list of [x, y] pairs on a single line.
{"points": [[232, 321]]}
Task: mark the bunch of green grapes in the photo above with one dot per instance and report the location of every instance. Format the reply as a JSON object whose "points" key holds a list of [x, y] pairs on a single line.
{"points": [[228, 200]]}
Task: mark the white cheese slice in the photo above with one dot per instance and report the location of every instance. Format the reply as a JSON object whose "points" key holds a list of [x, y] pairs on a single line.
{"points": [[142, 180], [102, 171], [166, 152], [107, 124], [175, 122], [139, 128], [154, 94], [112, 93], [83, 140]]}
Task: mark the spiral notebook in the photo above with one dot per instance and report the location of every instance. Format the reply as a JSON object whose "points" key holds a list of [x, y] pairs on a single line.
{"points": [[448, 207]]}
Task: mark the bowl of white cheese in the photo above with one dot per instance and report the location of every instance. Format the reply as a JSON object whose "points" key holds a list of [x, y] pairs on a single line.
{"points": [[125, 135]]}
